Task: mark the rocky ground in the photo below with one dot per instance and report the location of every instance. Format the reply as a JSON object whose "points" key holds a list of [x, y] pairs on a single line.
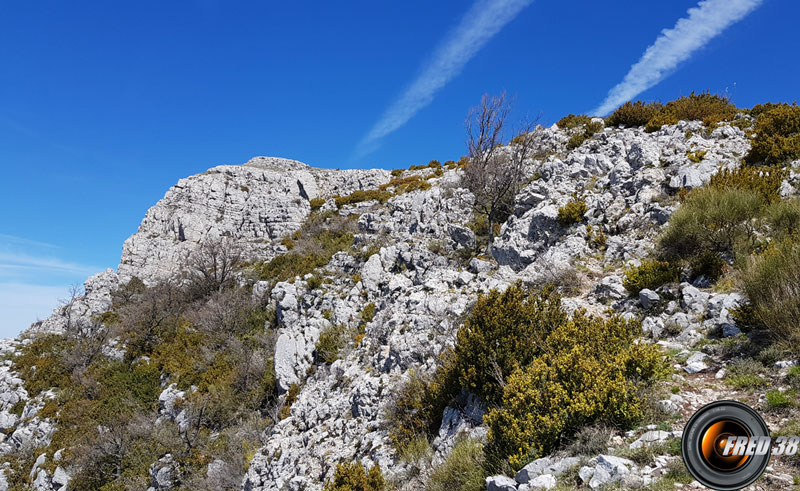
{"points": [[411, 264]]}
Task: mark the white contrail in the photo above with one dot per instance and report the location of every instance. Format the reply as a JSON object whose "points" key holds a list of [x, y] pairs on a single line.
{"points": [[483, 20], [673, 46]]}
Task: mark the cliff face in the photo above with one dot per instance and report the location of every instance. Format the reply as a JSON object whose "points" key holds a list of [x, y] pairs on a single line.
{"points": [[407, 265]]}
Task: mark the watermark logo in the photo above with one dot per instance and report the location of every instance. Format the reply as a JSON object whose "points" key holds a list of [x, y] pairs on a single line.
{"points": [[726, 445]]}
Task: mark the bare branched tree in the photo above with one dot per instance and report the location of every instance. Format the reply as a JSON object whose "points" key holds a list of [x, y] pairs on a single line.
{"points": [[211, 265], [495, 172]]}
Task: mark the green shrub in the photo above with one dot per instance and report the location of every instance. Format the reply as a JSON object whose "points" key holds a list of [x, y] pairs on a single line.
{"points": [[744, 373], [793, 377], [573, 121], [355, 477], [322, 236], [711, 219], [634, 114], [418, 404], [402, 185], [572, 212], [783, 218], [368, 313], [505, 331], [650, 274], [360, 195], [771, 281], [706, 107], [696, 157], [592, 372], [291, 398], [316, 203], [462, 470], [41, 363], [662, 118], [331, 341], [766, 181], [576, 141], [397, 172], [780, 400], [777, 136]]}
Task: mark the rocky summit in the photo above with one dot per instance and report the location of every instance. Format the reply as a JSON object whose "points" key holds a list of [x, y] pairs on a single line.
{"points": [[374, 307]]}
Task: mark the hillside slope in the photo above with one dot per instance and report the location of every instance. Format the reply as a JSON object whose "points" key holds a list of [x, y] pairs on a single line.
{"points": [[392, 300]]}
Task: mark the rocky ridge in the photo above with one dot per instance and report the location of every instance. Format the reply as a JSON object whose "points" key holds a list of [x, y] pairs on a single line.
{"points": [[420, 289]]}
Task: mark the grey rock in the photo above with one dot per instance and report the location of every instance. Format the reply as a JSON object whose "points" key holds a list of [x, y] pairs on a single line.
{"points": [[648, 298], [462, 236], [479, 265], [610, 288], [500, 483], [545, 481]]}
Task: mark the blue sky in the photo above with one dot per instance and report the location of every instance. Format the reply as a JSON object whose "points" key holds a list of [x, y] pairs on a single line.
{"points": [[105, 105]]}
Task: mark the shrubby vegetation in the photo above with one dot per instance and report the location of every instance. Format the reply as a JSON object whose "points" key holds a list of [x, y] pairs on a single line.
{"points": [[591, 372], [538, 370], [634, 113], [462, 470], [777, 134], [573, 121], [355, 477], [706, 107], [572, 212], [650, 274], [320, 237], [727, 220], [206, 335]]}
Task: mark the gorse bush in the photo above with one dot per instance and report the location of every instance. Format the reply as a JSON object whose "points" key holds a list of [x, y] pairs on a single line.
{"points": [[572, 212], [706, 107], [662, 118], [573, 121], [634, 113], [505, 331], [355, 477], [592, 372], [650, 274], [419, 403], [777, 136], [766, 181]]}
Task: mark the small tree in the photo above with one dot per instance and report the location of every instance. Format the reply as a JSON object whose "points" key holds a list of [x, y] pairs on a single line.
{"points": [[495, 173], [211, 265]]}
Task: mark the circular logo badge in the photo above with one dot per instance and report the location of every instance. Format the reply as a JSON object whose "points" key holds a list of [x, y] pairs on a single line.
{"points": [[723, 445]]}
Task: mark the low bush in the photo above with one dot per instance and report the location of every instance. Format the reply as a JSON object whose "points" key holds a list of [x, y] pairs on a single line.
{"points": [[745, 373], [419, 403], [331, 341], [573, 121], [322, 236], [712, 219], [777, 136], [355, 477], [592, 372], [697, 156], [766, 181], [662, 118], [780, 400], [650, 274], [360, 195], [634, 113], [771, 281], [504, 331], [402, 185], [462, 470], [316, 203], [572, 212]]}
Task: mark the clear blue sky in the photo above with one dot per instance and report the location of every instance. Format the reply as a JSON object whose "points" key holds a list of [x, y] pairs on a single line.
{"points": [[105, 105]]}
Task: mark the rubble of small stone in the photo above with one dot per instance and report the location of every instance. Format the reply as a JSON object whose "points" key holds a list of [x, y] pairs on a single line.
{"points": [[411, 269]]}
